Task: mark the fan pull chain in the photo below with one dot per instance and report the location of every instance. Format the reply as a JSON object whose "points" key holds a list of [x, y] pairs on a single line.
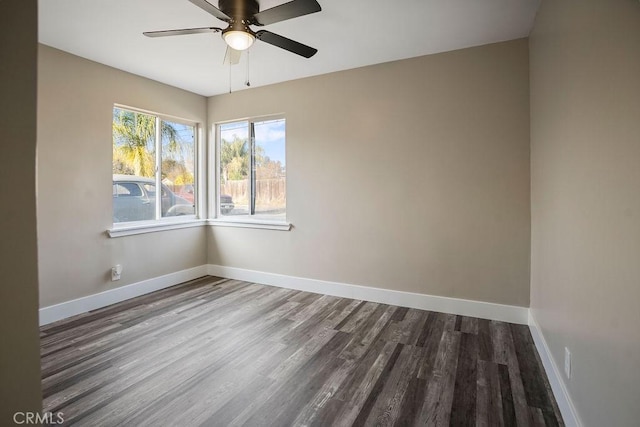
{"points": [[229, 76], [247, 83]]}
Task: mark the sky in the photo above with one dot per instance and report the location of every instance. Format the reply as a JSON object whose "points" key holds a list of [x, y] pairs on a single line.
{"points": [[270, 134]]}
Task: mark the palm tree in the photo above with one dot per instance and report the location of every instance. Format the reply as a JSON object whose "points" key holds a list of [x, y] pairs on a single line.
{"points": [[234, 158], [134, 141]]}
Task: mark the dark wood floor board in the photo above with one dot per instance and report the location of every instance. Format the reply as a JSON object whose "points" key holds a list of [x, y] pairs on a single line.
{"points": [[359, 317], [305, 297], [400, 314], [308, 413], [386, 409], [439, 324], [219, 352], [505, 353], [324, 400], [310, 310], [412, 402], [469, 325], [458, 324], [364, 411], [358, 390], [351, 314], [501, 340], [485, 345], [365, 374], [508, 410], [343, 309], [303, 353], [436, 409], [301, 329], [427, 329], [537, 417], [414, 322], [368, 333], [463, 412], [551, 417], [534, 380], [409, 330], [489, 411]]}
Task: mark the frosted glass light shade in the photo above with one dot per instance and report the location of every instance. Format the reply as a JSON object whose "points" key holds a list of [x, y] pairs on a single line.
{"points": [[238, 40]]}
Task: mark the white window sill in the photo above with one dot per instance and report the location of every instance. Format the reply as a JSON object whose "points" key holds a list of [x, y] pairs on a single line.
{"points": [[129, 229], [250, 223]]}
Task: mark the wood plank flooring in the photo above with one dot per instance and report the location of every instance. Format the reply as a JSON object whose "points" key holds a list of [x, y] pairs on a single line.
{"points": [[218, 352]]}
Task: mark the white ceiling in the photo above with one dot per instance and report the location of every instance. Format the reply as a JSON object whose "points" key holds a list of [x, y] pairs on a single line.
{"points": [[347, 33]]}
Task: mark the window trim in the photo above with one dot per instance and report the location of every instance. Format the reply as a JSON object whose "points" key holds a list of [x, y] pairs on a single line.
{"points": [[167, 223], [241, 221], [142, 227]]}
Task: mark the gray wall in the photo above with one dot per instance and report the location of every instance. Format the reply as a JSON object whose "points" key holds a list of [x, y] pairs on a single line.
{"points": [[585, 141], [75, 103], [411, 175], [20, 348]]}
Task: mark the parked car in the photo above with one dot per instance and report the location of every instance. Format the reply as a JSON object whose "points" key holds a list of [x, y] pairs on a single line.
{"points": [[187, 192], [226, 204], [134, 199]]}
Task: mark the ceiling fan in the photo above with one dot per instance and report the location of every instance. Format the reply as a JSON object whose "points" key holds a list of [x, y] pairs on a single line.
{"points": [[240, 15]]}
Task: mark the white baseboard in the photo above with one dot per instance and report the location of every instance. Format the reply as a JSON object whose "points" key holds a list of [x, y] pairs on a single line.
{"points": [[484, 310], [61, 311], [569, 413]]}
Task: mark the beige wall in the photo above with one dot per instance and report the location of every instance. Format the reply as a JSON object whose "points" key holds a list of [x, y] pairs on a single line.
{"points": [[20, 348], [411, 175], [75, 102], [585, 261]]}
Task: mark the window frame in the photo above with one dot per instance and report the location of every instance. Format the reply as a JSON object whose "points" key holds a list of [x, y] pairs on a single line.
{"points": [[249, 220], [159, 223]]}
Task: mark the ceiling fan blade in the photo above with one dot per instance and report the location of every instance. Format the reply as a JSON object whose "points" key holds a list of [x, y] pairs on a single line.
{"points": [[181, 32], [232, 56], [208, 7], [286, 44], [293, 9]]}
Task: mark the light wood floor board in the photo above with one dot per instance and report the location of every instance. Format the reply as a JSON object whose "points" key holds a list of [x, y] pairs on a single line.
{"points": [[219, 352]]}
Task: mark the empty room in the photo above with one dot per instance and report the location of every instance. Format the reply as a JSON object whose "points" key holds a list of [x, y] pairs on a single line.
{"points": [[322, 213]]}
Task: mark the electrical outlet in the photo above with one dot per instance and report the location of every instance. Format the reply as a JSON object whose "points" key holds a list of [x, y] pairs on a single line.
{"points": [[567, 362], [116, 271]]}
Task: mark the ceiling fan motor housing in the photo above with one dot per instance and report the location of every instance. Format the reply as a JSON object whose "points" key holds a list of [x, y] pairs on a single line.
{"points": [[240, 10]]}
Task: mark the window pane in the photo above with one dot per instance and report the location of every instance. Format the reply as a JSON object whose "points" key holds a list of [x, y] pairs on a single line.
{"points": [[133, 165], [270, 169], [178, 169], [235, 155]]}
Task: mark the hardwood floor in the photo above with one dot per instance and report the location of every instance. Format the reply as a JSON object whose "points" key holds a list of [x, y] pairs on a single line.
{"points": [[217, 352]]}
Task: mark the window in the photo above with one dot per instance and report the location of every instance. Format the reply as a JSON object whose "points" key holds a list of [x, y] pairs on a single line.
{"points": [[252, 173], [151, 152]]}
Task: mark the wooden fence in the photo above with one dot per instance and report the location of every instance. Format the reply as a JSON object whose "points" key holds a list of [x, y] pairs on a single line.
{"points": [[271, 192]]}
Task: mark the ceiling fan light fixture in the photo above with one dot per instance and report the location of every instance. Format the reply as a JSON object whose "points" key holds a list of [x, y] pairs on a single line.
{"points": [[238, 40]]}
